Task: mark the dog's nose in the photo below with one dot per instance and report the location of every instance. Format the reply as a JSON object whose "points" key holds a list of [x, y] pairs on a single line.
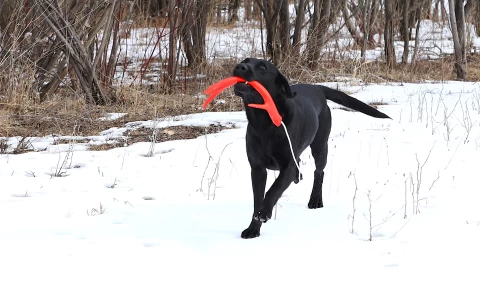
{"points": [[241, 69]]}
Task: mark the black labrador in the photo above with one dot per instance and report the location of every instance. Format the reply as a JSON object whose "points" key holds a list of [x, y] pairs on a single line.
{"points": [[305, 113]]}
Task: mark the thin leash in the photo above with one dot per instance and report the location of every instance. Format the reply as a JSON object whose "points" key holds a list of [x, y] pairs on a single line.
{"points": [[291, 149]]}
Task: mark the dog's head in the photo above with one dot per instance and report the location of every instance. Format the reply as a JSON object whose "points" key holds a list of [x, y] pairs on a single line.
{"points": [[263, 71]]}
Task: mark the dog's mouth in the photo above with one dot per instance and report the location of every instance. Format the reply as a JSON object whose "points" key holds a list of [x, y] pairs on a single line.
{"points": [[243, 88], [268, 105]]}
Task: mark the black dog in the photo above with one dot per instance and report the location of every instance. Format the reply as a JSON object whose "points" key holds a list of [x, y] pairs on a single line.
{"points": [[307, 117]]}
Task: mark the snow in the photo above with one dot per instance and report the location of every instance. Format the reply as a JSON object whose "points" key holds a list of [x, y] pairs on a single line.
{"points": [[112, 116], [116, 224], [171, 223]]}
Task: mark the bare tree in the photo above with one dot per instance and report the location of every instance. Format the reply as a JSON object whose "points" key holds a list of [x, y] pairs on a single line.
{"points": [[476, 17], [417, 16], [284, 30], [318, 30], [172, 45], [437, 10], [348, 18], [457, 24], [194, 29], [66, 42], [366, 26], [389, 33], [248, 6], [233, 7], [365, 14], [374, 25], [271, 10], [297, 33], [405, 30]]}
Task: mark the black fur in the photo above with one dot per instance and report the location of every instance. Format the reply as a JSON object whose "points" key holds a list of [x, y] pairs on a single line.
{"points": [[304, 110]]}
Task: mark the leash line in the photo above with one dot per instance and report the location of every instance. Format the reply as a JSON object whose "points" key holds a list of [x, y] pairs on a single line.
{"points": [[291, 149]]}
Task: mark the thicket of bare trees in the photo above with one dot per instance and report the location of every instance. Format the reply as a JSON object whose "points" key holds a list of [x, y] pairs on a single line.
{"points": [[74, 43], [62, 42]]}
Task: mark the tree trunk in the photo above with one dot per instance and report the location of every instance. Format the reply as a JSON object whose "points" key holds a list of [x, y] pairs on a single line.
{"points": [[322, 32], [405, 31], [351, 27], [248, 10], [194, 28], [233, 6], [373, 22], [297, 34], [256, 12], [271, 10], [366, 27], [312, 36], [284, 30], [112, 60], [477, 18], [318, 31], [417, 34], [218, 12], [172, 46], [460, 63], [469, 6], [462, 35], [436, 11], [388, 34]]}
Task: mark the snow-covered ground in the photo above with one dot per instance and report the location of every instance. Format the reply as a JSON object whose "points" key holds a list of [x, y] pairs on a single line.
{"points": [[119, 225]]}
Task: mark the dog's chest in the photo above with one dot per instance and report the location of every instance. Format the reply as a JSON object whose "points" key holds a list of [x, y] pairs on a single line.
{"points": [[270, 151]]}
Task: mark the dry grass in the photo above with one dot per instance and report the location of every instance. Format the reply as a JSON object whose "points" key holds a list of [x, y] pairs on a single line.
{"points": [[24, 116], [145, 134], [441, 69], [171, 133], [61, 115], [104, 147]]}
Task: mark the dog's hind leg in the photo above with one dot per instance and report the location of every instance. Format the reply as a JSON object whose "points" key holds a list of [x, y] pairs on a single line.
{"points": [[319, 148], [316, 200]]}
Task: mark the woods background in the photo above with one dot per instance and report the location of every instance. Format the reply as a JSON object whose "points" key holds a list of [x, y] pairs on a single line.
{"points": [[54, 51]]}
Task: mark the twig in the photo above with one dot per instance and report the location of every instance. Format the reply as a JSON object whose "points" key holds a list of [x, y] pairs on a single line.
{"points": [[395, 234], [216, 174], [153, 137], [405, 206], [420, 173], [438, 177], [353, 201]]}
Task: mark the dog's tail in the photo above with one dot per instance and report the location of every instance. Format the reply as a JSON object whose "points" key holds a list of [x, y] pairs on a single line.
{"points": [[353, 103]]}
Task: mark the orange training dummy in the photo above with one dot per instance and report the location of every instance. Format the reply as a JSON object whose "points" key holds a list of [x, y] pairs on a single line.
{"points": [[268, 105]]}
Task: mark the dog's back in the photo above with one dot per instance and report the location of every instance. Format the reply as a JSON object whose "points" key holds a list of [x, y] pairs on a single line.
{"points": [[313, 94], [320, 93]]}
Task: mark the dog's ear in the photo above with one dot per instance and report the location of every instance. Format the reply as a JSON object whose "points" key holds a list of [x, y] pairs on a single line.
{"points": [[283, 82]]}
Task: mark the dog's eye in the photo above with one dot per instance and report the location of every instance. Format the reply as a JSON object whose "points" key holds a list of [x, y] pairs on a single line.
{"points": [[263, 67]]}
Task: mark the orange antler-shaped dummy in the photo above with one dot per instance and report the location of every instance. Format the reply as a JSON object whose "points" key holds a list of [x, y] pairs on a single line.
{"points": [[268, 105]]}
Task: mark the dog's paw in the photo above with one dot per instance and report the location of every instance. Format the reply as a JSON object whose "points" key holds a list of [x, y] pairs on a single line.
{"points": [[315, 203], [250, 233], [262, 217], [296, 180]]}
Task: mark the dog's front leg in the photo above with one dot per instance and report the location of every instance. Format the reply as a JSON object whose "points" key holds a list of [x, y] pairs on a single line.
{"points": [[275, 192], [259, 180]]}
